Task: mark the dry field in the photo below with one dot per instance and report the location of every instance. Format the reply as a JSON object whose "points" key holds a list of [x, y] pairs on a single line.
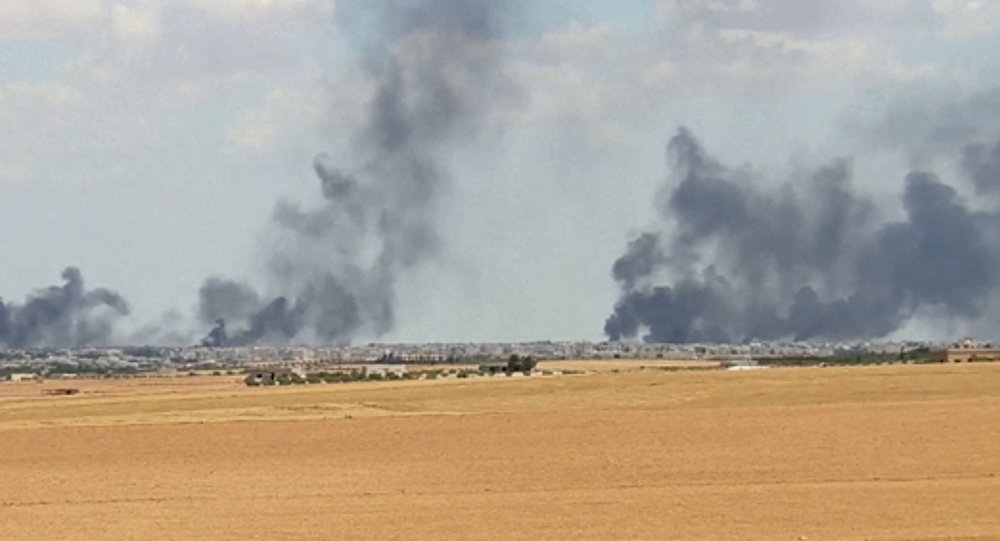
{"points": [[898, 452]]}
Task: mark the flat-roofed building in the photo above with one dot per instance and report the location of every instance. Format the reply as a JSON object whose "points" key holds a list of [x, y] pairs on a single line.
{"points": [[384, 369], [965, 355]]}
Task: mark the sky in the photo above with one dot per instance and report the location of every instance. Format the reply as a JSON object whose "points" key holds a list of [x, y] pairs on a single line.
{"points": [[148, 142]]}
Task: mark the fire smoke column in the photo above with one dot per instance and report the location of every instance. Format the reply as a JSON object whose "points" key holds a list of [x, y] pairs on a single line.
{"points": [[62, 316], [436, 72], [805, 259]]}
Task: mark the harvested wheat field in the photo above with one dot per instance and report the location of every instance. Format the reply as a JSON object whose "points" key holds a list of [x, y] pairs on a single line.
{"points": [[898, 452]]}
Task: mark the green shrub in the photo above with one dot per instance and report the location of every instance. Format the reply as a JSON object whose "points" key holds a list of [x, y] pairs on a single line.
{"points": [[516, 363], [332, 377]]}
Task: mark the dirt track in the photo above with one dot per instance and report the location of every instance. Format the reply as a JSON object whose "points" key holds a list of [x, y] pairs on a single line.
{"points": [[863, 453]]}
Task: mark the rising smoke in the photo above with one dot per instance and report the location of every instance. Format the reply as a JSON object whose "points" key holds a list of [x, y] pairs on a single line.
{"points": [[731, 261], [435, 69], [62, 316], [809, 260]]}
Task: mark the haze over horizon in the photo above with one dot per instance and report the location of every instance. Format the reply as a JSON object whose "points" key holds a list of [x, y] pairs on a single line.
{"points": [[441, 170]]}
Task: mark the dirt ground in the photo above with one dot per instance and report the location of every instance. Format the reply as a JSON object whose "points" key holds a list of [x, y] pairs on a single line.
{"points": [[897, 452]]}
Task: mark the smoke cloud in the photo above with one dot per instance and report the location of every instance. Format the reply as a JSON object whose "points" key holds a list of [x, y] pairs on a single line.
{"points": [[436, 69], [62, 316], [811, 259]]}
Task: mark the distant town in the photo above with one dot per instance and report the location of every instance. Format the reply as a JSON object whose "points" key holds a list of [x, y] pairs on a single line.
{"points": [[96, 361]]}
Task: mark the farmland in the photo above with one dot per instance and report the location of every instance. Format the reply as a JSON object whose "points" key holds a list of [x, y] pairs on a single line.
{"points": [[876, 452]]}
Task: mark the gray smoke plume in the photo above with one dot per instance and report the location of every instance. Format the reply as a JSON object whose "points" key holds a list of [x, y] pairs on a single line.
{"points": [[982, 163], [225, 299], [436, 69], [808, 260], [62, 316]]}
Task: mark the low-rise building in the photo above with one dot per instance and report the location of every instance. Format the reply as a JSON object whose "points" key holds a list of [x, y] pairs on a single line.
{"points": [[965, 355], [966, 350], [383, 369], [493, 367], [273, 374]]}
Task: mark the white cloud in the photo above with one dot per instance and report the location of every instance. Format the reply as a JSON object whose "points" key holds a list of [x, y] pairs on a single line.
{"points": [[968, 18], [134, 25], [139, 71], [54, 95], [37, 20], [257, 9], [577, 39], [563, 71], [783, 43], [802, 18], [13, 172], [286, 109], [186, 53], [252, 129]]}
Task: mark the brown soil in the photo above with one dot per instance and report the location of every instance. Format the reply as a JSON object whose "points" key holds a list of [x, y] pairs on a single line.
{"points": [[901, 452]]}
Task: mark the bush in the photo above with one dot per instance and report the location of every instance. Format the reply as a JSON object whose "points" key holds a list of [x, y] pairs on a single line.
{"points": [[517, 363], [251, 381]]}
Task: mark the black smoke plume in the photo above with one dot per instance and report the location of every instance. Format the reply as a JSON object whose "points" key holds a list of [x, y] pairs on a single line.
{"points": [[808, 260], [62, 316], [436, 70]]}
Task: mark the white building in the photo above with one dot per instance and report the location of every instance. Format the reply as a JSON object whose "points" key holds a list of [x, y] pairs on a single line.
{"points": [[383, 369]]}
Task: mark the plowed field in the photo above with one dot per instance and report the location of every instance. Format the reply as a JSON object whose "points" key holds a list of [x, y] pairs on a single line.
{"points": [[898, 452]]}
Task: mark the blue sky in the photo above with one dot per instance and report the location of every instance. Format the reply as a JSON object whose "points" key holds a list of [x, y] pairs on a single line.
{"points": [[148, 141]]}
